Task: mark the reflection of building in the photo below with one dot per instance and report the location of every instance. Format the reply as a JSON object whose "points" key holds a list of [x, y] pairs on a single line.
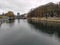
{"points": [[18, 20]]}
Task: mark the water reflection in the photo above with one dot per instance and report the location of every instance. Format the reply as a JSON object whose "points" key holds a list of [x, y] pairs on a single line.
{"points": [[14, 33], [18, 20], [10, 22], [47, 27], [0, 23]]}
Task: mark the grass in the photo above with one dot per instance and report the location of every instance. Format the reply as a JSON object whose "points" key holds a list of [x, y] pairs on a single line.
{"points": [[0, 17]]}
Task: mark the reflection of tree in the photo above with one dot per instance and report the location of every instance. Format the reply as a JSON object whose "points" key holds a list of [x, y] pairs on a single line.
{"points": [[0, 23], [49, 28], [10, 21]]}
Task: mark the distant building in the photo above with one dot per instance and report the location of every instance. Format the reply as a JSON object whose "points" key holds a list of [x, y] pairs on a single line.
{"points": [[18, 16], [23, 16]]}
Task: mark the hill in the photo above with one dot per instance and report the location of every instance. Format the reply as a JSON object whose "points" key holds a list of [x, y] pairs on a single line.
{"points": [[47, 10]]}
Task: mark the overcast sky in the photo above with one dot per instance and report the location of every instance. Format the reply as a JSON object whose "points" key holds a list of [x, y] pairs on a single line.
{"points": [[22, 6]]}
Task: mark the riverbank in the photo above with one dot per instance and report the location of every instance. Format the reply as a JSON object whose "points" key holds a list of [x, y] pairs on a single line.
{"points": [[49, 19]]}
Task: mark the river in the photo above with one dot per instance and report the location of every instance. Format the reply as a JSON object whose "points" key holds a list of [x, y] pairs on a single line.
{"points": [[21, 32]]}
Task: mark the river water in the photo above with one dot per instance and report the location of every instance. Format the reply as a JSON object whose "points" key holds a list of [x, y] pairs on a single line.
{"points": [[22, 32]]}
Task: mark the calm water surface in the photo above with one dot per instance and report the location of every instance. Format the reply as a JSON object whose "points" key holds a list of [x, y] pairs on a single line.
{"points": [[22, 32]]}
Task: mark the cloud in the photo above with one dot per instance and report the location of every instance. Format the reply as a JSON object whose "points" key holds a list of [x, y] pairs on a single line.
{"points": [[21, 6]]}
